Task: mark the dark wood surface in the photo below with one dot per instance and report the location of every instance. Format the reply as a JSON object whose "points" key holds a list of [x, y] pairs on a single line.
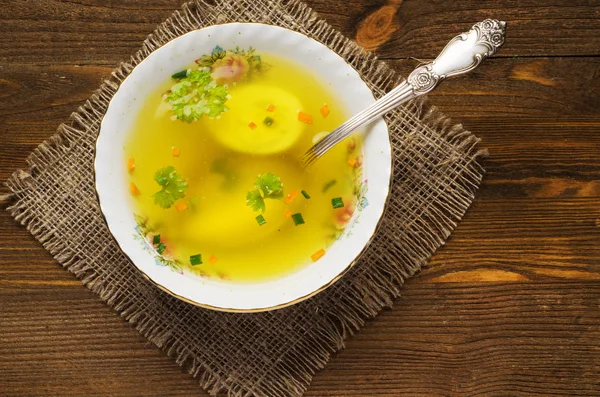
{"points": [[509, 307]]}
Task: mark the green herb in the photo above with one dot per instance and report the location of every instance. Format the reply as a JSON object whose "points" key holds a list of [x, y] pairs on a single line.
{"points": [[306, 196], [255, 201], [267, 186], [328, 185], [161, 248], [156, 239], [196, 259], [268, 121], [208, 60], [337, 202], [270, 185], [261, 220], [173, 187], [180, 75], [298, 219], [197, 95]]}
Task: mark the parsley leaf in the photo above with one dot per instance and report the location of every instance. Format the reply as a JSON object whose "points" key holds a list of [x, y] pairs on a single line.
{"points": [[255, 200], [197, 95], [173, 187], [270, 185], [267, 186]]}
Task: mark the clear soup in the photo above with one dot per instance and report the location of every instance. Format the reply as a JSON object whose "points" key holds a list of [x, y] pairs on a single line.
{"points": [[233, 200]]}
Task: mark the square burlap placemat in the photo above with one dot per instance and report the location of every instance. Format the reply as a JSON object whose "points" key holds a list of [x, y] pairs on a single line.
{"points": [[435, 174]]}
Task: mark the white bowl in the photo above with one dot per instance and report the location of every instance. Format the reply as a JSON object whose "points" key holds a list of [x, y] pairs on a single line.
{"points": [[112, 179]]}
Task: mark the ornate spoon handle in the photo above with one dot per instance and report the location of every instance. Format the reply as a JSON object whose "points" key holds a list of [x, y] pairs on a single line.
{"points": [[461, 55]]}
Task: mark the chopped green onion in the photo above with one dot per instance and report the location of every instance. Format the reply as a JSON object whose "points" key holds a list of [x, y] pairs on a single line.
{"points": [[268, 121], [329, 184], [306, 196], [298, 219], [161, 248], [196, 259], [261, 220], [180, 75], [337, 202], [156, 239]]}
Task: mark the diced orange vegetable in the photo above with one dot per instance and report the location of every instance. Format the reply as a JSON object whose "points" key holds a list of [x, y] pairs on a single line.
{"points": [[134, 189], [181, 207], [176, 152], [288, 214], [291, 196], [131, 164], [352, 162], [212, 259], [252, 125], [324, 110], [305, 117], [317, 255], [271, 108], [351, 145]]}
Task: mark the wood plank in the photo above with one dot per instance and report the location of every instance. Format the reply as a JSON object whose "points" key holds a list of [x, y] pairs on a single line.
{"points": [[497, 339], [538, 239], [401, 29], [532, 130], [546, 88], [78, 31], [105, 32], [540, 87], [463, 339], [60, 340]]}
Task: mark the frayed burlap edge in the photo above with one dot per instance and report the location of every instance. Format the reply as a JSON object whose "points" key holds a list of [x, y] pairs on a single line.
{"points": [[364, 293]]}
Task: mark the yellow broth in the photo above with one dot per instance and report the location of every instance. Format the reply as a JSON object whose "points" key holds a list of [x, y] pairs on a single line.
{"points": [[221, 227]]}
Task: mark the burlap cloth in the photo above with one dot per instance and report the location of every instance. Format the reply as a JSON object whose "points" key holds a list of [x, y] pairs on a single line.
{"points": [[435, 174]]}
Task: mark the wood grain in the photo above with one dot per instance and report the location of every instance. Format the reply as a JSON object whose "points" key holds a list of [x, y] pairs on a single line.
{"points": [[510, 306], [419, 28]]}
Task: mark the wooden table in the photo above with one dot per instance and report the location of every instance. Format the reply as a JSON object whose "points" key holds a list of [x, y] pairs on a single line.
{"points": [[509, 307]]}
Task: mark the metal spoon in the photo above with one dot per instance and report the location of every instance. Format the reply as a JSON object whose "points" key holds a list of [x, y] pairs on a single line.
{"points": [[461, 55]]}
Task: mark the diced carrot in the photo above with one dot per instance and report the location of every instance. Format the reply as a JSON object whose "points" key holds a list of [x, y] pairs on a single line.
{"points": [[134, 189], [181, 207], [271, 108], [131, 164], [291, 196], [351, 145], [176, 152], [352, 162], [305, 117], [288, 214], [212, 259], [252, 125], [324, 110], [317, 255]]}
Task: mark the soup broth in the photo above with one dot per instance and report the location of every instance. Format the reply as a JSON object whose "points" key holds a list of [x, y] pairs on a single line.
{"points": [[250, 211]]}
